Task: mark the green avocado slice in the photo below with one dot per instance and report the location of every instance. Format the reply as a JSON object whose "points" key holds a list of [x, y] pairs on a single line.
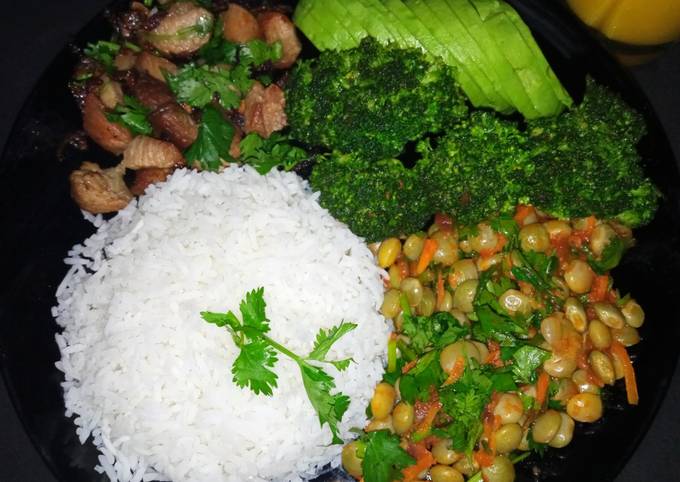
{"points": [[325, 31], [498, 66], [371, 21], [529, 67], [355, 29], [403, 37], [436, 48], [552, 80], [466, 55]]}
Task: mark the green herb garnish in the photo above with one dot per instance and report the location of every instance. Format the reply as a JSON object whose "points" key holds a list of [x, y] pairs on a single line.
{"points": [[611, 256], [132, 114], [384, 458], [526, 361], [219, 50], [537, 269], [257, 52], [103, 52], [212, 145], [253, 367], [266, 154], [198, 85]]}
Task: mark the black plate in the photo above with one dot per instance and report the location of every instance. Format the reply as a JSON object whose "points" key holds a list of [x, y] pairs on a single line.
{"points": [[36, 236]]}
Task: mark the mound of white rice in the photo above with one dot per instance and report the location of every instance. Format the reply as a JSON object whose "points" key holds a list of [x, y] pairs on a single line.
{"points": [[150, 381]]}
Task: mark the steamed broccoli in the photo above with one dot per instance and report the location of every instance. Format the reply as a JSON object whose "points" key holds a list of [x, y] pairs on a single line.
{"points": [[593, 166], [579, 163], [371, 100], [376, 199], [478, 169]]}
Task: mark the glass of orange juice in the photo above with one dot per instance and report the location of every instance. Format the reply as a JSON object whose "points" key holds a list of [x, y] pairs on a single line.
{"points": [[641, 25]]}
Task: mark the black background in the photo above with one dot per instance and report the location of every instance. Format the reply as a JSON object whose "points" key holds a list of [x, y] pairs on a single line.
{"points": [[32, 32]]}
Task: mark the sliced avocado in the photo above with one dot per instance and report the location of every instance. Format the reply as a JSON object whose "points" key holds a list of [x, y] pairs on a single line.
{"points": [[403, 37], [323, 30], [415, 27], [552, 79], [372, 23], [516, 51], [472, 79], [479, 61], [355, 29], [498, 66]]}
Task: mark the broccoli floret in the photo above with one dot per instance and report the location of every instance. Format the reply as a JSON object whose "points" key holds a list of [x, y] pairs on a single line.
{"points": [[593, 165], [376, 199], [579, 163], [371, 100], [478, 168]]}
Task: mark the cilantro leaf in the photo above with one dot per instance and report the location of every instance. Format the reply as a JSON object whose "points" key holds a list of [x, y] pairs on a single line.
{"points": [[221, 319], [132, 114], [218, 50], [256, 52], [438, 330], [537, 269], [103, 52], [417, 382], [326, 338], [526, 360], [341, 365], [494, 321], [253, 311], [510, 229], [197, 85], [330, 408], [266, 154], [465, 405], [252, 367], [610, 257], [528, 402], [464, 401], [384, 458], [212, 145], [502, 382], [537, 447], [495, 326]]}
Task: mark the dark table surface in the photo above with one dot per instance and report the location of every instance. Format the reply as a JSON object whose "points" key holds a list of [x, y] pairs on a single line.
{"points": [[33, 31]]}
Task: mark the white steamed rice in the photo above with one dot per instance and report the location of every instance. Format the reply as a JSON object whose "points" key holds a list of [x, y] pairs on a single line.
{"points": [[150, 381]]}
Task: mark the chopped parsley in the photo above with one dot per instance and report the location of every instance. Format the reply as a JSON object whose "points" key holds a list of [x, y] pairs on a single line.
{"points": [[133, 115], [538, 269], [266, 154], [219, 50], [257, 52], [253, 368], [526, 360], [103, 52], [198, 85], [611, 256], [211, 148], [465, 400], [384, 458], [426, 373], [494, 323]]}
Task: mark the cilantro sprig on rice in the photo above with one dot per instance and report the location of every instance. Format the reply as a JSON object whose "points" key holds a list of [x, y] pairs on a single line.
{"points": [[253, 366]]}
